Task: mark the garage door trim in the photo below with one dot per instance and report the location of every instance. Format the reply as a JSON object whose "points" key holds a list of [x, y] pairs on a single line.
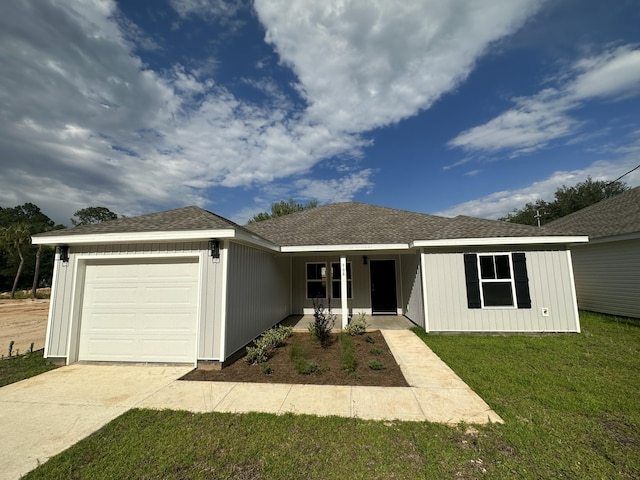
{"points": [[79, 264]]}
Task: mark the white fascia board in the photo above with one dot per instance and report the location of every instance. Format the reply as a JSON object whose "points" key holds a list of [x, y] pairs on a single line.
{"points": [[615, 238], [257, 241], [133, 237], [345, 248], [459, 242]]}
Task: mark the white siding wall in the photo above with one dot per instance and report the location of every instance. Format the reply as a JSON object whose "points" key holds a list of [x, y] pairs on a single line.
{"points": [[258, 286], [607, 277], [412, 304], [549, 284], [62, 312]]}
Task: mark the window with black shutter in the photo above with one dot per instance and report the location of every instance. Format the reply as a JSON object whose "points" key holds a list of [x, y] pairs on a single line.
{"points": [[497, 280]]}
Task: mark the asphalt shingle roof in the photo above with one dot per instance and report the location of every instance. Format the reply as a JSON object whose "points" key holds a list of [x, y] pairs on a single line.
{"points": [[359, 223], [617, 215], [187, 218], [348, 223]]}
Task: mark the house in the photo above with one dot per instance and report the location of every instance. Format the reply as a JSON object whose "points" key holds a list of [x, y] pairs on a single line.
{"points": [[187, 285], [607, 269]]}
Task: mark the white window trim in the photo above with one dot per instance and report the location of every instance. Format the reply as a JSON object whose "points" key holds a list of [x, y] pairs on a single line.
{"points": [[512, 280], [349, 280], [307, 280]]}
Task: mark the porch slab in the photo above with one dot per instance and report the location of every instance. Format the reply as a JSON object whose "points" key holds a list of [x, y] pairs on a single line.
{"points": [[375, 322]]}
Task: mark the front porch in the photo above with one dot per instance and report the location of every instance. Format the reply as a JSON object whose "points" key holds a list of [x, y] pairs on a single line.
{"points": [[375, 322]]}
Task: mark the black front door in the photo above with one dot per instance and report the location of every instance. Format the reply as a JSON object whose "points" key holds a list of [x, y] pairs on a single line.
{"points": [[383, 286]]}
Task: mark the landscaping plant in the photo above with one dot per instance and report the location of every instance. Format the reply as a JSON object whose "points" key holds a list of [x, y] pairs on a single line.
{"points": [[272, 338], [323, 321], [358, 325], [347, 354]]}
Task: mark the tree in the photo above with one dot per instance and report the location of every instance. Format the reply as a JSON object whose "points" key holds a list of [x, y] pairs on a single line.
{"points": [[91, 215], [567, 200], [15, 239], [282, 208]]}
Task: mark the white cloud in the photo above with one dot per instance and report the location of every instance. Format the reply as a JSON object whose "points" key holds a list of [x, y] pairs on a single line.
{"points": [[365, 64], [80, 109], [537, 120], [500, 203]]}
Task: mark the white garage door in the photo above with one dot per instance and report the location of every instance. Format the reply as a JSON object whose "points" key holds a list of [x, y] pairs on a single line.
{"points": [[140, 312]]}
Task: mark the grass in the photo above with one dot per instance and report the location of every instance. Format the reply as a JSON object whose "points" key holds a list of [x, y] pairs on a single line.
{"points": [[18, 368], [570, 403]]}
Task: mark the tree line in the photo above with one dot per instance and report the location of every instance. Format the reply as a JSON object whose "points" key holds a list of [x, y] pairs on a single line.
{"points": [[23, 265]]}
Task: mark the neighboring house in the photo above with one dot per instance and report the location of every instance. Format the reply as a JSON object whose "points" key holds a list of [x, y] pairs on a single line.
{"points": [[607, 269], [190, 286]]}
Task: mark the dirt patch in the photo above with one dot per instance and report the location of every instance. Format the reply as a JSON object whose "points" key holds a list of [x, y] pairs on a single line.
{"points": [[330, 371], [24, 322]]}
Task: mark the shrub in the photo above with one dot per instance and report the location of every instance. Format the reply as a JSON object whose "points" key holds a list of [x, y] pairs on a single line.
{"points": [[272, 338], [375, 364], [265, 368], [358, 325], [347, 354], [375, 351], [300, 363], [323, 321], [370, 339]]}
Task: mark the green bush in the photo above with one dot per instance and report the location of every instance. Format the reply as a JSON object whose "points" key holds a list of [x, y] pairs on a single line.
{"points": [[323, 322], [369, 339], [358, 325], [300, 363], [262, 346], [375, 351], [375, 364], [265, 368], [347, 354]]}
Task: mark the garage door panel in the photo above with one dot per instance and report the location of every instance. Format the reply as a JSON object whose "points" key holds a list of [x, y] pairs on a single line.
{"points": [[142, 312], [177, 296]]}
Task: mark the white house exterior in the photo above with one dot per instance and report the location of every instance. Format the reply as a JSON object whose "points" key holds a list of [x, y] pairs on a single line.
{"points": [[607, 269], [188, 286]]}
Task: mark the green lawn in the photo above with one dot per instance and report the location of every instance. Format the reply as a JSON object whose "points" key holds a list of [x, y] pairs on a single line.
{"points": [[18, 368], [571, 404]]}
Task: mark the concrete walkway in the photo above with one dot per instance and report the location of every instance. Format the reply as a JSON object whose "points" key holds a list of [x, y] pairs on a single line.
{"points": [[46, 414]]}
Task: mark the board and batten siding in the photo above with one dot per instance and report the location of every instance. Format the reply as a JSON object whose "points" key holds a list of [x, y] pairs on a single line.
{"points": [[66, 301], [550, 286], [412, 303], [258, 294], [607, 277]]}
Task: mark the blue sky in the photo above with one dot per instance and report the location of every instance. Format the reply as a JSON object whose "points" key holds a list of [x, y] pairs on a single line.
{"points": [[441, 106]]}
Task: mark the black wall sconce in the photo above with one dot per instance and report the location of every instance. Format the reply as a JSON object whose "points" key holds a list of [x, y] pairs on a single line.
{"points": [[365, 260], [214, 248], [64, 253]]}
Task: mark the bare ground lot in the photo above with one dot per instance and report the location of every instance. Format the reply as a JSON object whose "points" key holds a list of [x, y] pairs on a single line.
{"points": [[24, 322]]}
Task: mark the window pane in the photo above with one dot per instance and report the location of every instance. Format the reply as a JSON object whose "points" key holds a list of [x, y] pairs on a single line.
{"points": [[502, 266], [316, 289], [335, 290], [316, 271], [497, 294], [487, 270], [335, 271]]}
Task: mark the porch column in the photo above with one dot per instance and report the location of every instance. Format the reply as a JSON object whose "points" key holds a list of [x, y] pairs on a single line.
{"points": [[343, 291]]}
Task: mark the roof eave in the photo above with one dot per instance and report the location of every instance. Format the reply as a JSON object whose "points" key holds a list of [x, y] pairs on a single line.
{"points": [[133, 237], [457, 242], [344, 248]]}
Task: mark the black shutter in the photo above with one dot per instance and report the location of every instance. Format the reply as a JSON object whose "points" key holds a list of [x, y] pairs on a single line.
{"points": [[522, 280], [473, 282]]}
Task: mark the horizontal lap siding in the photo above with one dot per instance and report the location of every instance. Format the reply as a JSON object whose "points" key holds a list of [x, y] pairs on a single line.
{"points": [[257, 294], [412, 304], [607, 277], [549, 285]]}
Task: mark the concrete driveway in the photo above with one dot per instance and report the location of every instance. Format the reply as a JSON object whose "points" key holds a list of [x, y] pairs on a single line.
{"points": [[44, 415]]}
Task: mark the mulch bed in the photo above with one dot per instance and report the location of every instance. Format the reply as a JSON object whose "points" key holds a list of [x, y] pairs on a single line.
{"points": [[331, 372]]}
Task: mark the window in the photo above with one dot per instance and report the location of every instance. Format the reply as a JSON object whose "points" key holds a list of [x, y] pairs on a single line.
{"points": [[316, 280], [497, 280], [335, 280]]}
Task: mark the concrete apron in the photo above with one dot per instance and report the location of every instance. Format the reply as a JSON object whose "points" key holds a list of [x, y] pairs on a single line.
{"points": [[46, 414]]}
